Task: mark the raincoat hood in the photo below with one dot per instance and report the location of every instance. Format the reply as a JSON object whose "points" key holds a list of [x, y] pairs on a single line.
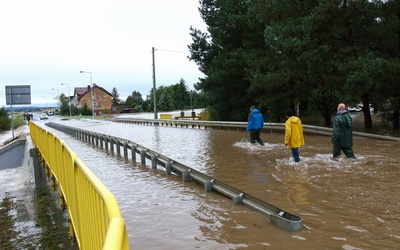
{"points": [[255, 111], [294, 120]]}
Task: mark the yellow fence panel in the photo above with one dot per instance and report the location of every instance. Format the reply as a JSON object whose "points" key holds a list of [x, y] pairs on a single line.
{"points": [[166, 116], [93, 212]]}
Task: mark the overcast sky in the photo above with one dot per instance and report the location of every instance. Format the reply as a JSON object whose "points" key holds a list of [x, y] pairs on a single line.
{"points": [[47, 42]]}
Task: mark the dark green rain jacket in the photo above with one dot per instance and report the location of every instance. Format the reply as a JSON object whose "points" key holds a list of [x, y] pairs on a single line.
{"points": [[342, 130]]}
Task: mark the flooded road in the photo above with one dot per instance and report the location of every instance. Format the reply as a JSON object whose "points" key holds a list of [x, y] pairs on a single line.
{"points": [[345, 204]]}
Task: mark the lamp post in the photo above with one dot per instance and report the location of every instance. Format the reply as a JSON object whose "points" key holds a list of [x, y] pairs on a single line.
{"points": [[154, 85], [58, 94], [69, 98], [91, 90]]}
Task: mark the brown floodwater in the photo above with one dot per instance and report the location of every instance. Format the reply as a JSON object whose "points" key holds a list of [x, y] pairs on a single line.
{"points": [[345, 204]]}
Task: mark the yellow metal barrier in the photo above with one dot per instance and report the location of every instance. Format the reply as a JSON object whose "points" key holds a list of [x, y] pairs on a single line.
{"points": [[166, 116], [93, 213]]}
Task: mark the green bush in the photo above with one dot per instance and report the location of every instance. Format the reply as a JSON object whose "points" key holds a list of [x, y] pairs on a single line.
{"points": [[5, 121]]}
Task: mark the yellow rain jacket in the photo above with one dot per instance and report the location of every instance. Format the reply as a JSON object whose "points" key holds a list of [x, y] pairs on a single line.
{"points": [[294, 132]]}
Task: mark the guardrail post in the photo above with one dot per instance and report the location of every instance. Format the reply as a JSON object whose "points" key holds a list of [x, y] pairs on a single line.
{"points": [[154, 161], [125, 149], [168, 168], [92, 137], [238, 199], [133, 152], [112, 144], [185, 176], [208, 186], [97, 140], [118, 143], [101, 141], [106, 139], [143, 156]]}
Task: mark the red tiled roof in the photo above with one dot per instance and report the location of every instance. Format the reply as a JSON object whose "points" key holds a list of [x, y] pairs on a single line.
{"points": [[80, 91]]}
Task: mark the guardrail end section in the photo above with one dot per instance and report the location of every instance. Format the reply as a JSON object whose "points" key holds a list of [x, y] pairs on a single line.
{"points": [[286, 221]]}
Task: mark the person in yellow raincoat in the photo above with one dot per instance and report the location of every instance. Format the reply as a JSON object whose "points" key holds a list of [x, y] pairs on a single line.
{"points": [[294, 137]]}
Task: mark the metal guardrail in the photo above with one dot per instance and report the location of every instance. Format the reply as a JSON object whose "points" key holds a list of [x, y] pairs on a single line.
{"points": [[277, 216], [94, 217], [240, 126]]}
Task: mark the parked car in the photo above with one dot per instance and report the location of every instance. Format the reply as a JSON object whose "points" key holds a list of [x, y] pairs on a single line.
{"points": [[50, 113], [359, 108], [43, 117]]}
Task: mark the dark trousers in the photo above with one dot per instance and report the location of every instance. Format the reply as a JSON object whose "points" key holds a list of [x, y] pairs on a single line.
{"points": [[255, 136], [295, 153], [347, 151]]}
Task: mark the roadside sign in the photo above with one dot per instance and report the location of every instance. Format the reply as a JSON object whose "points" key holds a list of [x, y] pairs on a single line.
{"points": [[18, 94]]}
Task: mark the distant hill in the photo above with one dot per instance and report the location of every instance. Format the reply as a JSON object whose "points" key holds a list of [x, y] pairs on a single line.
{"points": [[30, 108]]}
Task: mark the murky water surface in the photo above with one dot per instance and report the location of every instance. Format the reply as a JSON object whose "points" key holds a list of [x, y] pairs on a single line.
{"points": [[345, 204]]}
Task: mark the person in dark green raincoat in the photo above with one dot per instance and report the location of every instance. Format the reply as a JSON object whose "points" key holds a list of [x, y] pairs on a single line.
{"points": [[342, 137]]}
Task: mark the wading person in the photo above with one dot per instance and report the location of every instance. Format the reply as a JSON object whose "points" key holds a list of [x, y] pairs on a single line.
{"points": [[342, 136], [294, 137], [255, 123]]}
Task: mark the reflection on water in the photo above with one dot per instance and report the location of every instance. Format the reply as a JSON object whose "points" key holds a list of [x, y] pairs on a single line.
{"points": [[345, 203]]}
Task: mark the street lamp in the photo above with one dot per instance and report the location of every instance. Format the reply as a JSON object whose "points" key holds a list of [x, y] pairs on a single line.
{"points": [[58, 94], [91, 90], [69, 98]]}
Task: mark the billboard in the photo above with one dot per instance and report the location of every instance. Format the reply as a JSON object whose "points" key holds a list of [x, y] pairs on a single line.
{"points": [[18, 94]]}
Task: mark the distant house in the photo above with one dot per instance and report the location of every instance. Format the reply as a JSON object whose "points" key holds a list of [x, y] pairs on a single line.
{"points": [[102, 99], [123, 108]]}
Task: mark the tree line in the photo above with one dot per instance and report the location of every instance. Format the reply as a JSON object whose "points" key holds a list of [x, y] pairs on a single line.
{"points": [[308, 54], [168, 98]]}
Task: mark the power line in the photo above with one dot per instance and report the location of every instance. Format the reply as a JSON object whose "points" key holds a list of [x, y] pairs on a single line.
{"points": [[174, 51]]}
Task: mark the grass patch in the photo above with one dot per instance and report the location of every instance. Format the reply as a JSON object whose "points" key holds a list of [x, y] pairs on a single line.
{"points": [[19, 120], [52, 220], [7, 233]]}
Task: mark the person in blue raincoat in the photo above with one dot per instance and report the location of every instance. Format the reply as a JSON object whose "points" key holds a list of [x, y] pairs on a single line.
{"points": [[255, 123]]}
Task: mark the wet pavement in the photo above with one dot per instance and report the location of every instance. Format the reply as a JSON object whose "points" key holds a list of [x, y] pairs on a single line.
{"points": [[17, 183]]}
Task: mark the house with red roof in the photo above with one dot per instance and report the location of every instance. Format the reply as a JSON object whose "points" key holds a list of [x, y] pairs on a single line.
{"points": [[102, 99]]}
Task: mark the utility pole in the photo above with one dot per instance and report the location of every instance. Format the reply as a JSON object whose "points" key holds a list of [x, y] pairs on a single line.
{"points": [[154, 86]]}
